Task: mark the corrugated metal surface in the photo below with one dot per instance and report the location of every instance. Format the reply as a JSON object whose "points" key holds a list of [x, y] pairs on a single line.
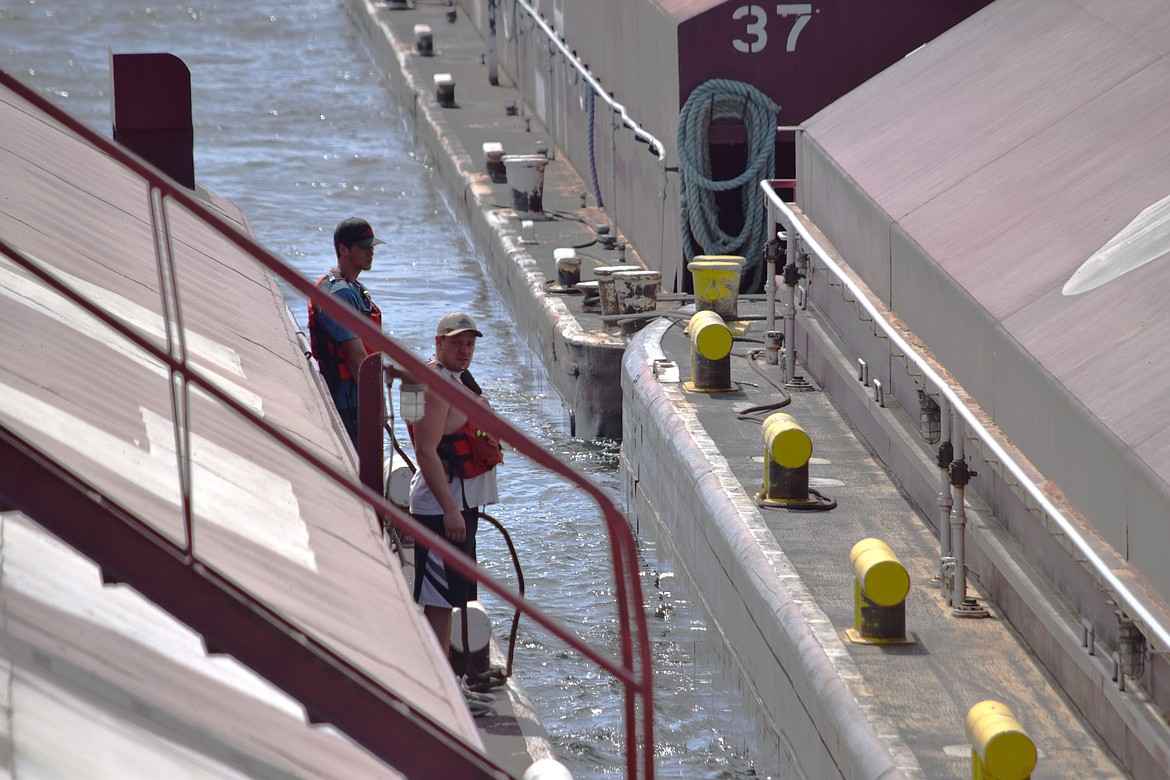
{"points": [[150, 700], [1000, 159]]}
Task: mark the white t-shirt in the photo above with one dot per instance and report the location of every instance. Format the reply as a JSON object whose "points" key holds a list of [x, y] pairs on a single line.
{"points": [[477, 491]]}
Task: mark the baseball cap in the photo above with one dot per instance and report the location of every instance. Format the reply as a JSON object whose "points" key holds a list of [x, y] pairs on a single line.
{"points": [[355, 230], [456, 322]]}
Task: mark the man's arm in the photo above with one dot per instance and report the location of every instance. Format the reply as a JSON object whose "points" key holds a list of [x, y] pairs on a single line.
{"points": [[427, 433], [354, 352]]}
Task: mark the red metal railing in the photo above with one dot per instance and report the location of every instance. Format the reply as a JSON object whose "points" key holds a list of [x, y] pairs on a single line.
{"points": [[331, 688]]}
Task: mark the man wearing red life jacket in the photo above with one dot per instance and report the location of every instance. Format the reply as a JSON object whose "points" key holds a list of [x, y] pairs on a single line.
{"points": [[338, 350], [448, 488]]}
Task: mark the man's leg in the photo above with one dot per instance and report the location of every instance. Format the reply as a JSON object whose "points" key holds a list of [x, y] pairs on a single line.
{"points": [[430, 576]]}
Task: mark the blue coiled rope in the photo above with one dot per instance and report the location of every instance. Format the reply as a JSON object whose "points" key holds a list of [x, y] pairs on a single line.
{"points": [[725, 99]]}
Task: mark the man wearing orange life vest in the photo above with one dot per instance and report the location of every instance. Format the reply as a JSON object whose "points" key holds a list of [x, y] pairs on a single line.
{"points": [[449, 487], [338, 350]]}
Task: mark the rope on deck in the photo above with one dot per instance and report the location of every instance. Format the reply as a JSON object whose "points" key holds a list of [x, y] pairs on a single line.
{"points": [[725, 99]]}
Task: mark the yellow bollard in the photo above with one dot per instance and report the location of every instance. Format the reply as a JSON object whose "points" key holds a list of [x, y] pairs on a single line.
{"points": [[787, 449], [710, 354], [716, 281], [880, 585], [1000, 748], [786, 442], [787, 452]]}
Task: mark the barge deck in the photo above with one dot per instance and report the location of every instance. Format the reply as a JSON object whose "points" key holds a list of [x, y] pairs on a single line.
{"points": [[776, 584], [224, 622]]}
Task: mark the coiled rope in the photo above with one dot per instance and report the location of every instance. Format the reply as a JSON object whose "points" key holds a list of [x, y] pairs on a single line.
{"points": [[592, 156], [725, 99]]}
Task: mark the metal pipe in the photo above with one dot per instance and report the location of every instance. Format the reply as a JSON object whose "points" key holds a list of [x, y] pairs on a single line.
{"points": [[1133, 604], [771, 254], [770, 287], [772, 339], [958, 526], [493, 56], [790, 309], [538, 21], [944, 479], [803, 271]]}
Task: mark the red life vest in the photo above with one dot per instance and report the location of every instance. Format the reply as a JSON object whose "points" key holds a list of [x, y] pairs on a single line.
{"points": [[325, 349], [470, 451]]}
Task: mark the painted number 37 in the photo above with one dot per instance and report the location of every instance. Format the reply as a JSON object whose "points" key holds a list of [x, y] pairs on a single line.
{"points": [[756, 25]]}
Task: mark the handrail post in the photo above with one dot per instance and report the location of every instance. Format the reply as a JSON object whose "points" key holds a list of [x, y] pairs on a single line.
{"points": [[371, 416], [945, 456], [957, 526], [790, 279]]}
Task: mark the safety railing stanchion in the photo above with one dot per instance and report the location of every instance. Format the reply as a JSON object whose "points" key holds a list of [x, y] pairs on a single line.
{"points": [[371, 416]]}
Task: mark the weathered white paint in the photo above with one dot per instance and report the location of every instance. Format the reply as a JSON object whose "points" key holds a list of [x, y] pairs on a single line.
{"points": [[202, 351], [229, 490], [101, 743], [1145, 239], [39, 566], [237, 494]]}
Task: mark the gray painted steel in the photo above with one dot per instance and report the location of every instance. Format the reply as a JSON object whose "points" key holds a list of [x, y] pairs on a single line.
{"points": [[779, 588], [519, 271], [1023, 569], [996, 162]]}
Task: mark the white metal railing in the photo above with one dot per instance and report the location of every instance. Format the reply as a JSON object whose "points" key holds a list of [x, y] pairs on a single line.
{"points": [[1130, 602], [555, 38]]}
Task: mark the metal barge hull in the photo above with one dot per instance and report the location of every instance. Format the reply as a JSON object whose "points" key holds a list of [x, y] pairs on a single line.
{"points": [[903, 181]]}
